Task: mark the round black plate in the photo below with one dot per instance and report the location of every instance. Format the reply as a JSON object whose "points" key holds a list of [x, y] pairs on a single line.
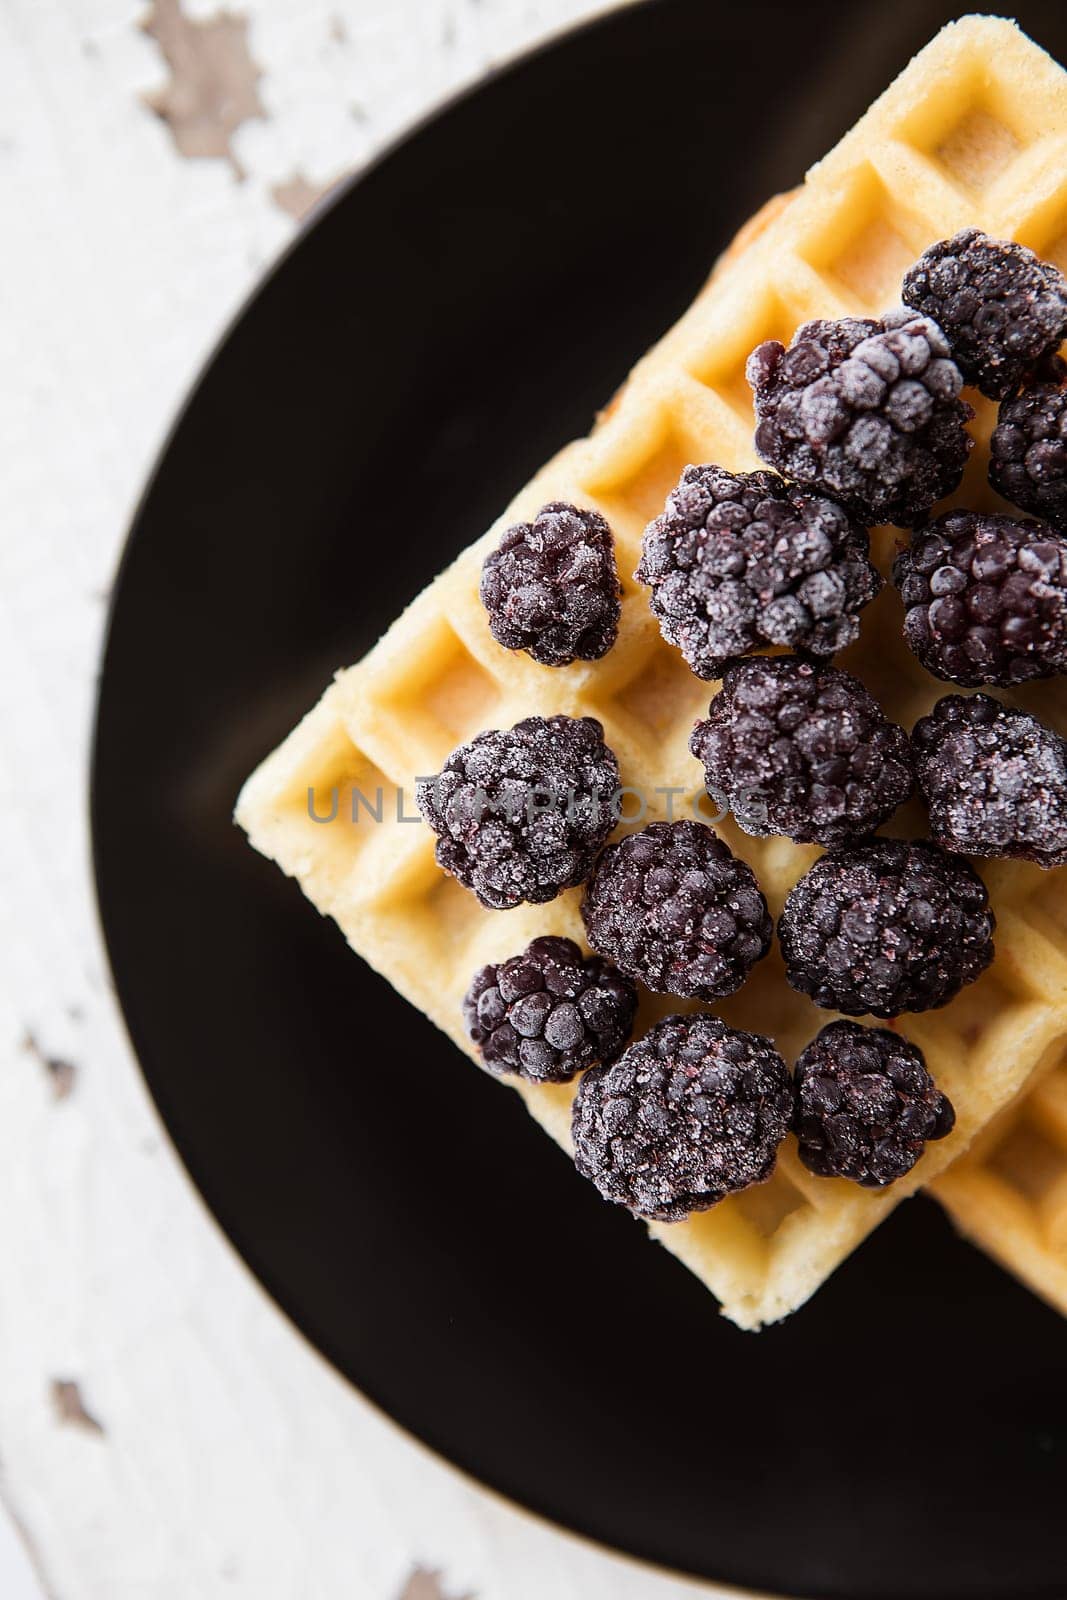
{"points": [[459, 312]]}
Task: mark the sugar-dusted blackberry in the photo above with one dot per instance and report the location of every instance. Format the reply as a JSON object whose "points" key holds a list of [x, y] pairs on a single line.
{"points": [[866, 1105], [802, 749], [868, 412], [520, 814], [1001, 308], [886, 926], [985, 598], [551, 586], [673, 906], [995, 780], [549, 1012], [689, 1113], [740, 561], [1028, 452]]}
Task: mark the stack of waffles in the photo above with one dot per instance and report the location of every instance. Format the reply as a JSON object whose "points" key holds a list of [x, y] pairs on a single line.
{"points": [[973, 132]]}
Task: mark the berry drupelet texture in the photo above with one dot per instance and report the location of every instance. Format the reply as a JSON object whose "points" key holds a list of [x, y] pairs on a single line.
{"points": [[866, 1105], [995, 780], [551, 586], [886, 926], [520, 814], [691, 1112], [673, 906], [549, 1012], [801, 749], [868, 412], [740, 561], [985, 598], [1028, 453], [1001, 308]]}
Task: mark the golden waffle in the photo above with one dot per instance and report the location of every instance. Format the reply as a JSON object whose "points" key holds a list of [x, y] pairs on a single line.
{"points": [[1008, 1192], [972, 132]]}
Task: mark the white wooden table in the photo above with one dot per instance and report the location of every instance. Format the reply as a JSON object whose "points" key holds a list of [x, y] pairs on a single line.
{"points": [[164, 1433]]}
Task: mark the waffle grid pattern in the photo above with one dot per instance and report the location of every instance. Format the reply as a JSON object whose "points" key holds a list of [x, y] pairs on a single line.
{"points": [[974, 131], [1009, 1192]]}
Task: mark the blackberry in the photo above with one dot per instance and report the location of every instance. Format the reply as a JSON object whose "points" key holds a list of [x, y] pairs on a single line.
{"points": [[985, 598], [802, 749], [520, 815], [691, 1112], [886, 926], [739, 561], [865, 411], [1001, 308], [866, 1105], [551, 586], [672, 906], [549, 1012], [995, 779], [1028, 453]]}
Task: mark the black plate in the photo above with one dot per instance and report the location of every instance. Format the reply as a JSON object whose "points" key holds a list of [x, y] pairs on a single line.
{"points": [[453, 317]]}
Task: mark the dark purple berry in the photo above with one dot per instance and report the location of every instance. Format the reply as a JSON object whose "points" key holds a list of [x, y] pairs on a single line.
{"points": [[985, 598], [549, 1012], [741, 561], [995, 780], [551, 586], [886, 926], [866, 1105], [801, 749], [691, 1112], [1001, 308], [865, 411], [1028, 453], [520, 814], [673, 906]]}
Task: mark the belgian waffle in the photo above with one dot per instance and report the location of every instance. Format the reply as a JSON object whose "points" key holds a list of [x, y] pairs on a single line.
{"points": [[974, 131], [1008, 1192]]}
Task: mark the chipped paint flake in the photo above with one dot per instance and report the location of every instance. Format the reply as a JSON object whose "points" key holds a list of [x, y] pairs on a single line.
{"points": [[425, 1584], [298, 194], [213, 86], [61, 1073], [71, 1408]]}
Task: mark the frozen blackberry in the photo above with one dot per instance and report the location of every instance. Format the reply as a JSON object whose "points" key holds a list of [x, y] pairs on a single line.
{"points": [[1000, 307], [520, 815], [691, 1112], [673, 906], [885, 927], [1028, 453], [739, 561], [985, 598], [550, 1012], [865, 411], [802, 749], [995, 780], [866, 1105], [551, 586]]}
